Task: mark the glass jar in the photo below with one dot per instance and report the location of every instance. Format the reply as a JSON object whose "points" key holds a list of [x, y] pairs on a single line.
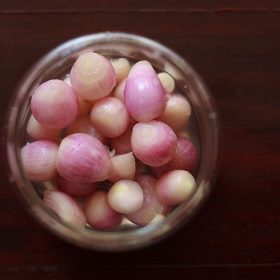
{"points": [[56, 64]]}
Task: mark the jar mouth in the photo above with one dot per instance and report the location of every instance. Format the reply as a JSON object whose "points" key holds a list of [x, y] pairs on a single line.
{"points": [[131, 46]]}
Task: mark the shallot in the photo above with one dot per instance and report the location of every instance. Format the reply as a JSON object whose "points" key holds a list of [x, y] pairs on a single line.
{"points": [[54, 104], [39, 160], [154, 142], [82, 158], [92, 76]]}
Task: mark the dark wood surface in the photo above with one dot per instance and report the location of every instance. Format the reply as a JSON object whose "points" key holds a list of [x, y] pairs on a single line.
{"points": [[235, 46]]}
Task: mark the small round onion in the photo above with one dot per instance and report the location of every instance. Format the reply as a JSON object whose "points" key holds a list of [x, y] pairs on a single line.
{"points": [[119, 90], [65, 207], [122, 144], [177, 112], [151, 205], [126, 197], [121, 67], [84, 125], [99, 213], [38, 159], [167, 81], [92, 76], [185, 158], [123, 167], [82, 158], [175, 186], [54, 104], [144, 95], [110, 117], [39, 132], [153, 142], [74, 188]]}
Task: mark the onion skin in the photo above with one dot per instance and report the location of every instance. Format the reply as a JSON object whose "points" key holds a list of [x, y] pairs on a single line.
{"points": [[82, 158], [54, 104], [175, 187], [39, 160], [65, 207], [99, 213], [154, 142], [144, 96], [92, 76], [185, 158]]}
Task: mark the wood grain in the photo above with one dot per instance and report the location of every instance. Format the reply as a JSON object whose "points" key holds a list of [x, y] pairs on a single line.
{"points": [[235, 47], [64, 6]]}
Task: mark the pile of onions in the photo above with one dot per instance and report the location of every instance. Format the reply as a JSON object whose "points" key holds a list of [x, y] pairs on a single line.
{"points": [[108, 138]]}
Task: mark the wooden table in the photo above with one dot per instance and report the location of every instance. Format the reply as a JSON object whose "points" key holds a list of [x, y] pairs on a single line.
{"points": [[236, 48]]}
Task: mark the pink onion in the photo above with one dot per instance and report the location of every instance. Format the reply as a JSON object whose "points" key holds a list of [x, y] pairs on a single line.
{"points": [[38, 159], [39, 132], [54, 104], [153, 142], [84, 125], [144, 95], [65, 207], [175, 186], [185, 158], [126, 197], [92, 76], [151, 205], [74, 188], [99, 213], [82, 158], [177, 112]]}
